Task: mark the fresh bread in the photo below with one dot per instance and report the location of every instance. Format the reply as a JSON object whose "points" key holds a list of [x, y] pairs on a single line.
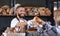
{"points": [[1, 10], [33, 12], [44, 11], [11, 12], [41, 11], [37, 21], [40, 21], [48, 12], [22, 26], [28, 9], [5, 9]]}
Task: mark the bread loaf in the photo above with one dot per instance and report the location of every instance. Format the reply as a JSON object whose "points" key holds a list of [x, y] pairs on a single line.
{"points": [[11, 12], [44, 11], [33, 12]]}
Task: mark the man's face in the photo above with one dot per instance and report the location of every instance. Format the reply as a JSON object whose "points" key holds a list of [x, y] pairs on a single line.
{"points": [[21, 11]]}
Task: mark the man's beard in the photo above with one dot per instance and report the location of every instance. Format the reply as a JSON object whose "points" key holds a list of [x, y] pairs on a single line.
{"points": [[21, 16]]}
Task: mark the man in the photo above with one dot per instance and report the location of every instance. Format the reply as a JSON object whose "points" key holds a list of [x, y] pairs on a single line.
{"points": [[20, 12], [57, 21], [56, 28], [44, 29], [35, 22]]}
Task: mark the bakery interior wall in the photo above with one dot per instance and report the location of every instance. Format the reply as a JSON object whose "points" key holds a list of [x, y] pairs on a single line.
{"points": [[5, 20]]}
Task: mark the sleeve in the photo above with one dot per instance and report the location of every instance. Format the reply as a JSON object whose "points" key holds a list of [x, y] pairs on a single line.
{"points": [[13, 23], [48, 26]]}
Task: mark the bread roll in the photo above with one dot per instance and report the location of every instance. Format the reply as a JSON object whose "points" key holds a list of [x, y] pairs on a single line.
{"points": [[5, 9], [48, 12], [11, 12], [33, 12], [1, 10], [28, 9], [41, 11], [44, 11]]}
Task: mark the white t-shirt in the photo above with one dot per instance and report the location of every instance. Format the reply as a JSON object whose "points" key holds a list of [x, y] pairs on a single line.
{"points": [[15, 20]]}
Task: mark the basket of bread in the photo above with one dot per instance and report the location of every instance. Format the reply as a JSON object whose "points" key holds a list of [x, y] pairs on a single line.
{"points": [[18, 30]]}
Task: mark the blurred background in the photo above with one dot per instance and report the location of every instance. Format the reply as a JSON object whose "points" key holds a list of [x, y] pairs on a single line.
{"points": [[6, 20]]}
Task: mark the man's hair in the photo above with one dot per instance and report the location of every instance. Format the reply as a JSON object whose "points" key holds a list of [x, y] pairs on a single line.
{"points": [[18, 7], [57, 13]]}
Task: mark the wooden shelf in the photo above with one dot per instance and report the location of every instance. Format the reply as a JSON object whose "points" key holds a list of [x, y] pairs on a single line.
{"points": [[24, 16], [6, 15]]}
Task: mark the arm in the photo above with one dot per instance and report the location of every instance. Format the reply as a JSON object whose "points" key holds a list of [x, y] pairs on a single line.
{"points": [[13, 22]]}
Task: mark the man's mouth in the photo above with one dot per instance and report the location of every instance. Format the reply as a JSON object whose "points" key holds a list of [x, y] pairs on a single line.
{"points": [[21, 15]]}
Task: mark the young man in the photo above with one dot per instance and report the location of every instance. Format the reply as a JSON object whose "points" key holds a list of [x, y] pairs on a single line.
{"points": [[56, 28], [57, 21], [20, 11]]}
